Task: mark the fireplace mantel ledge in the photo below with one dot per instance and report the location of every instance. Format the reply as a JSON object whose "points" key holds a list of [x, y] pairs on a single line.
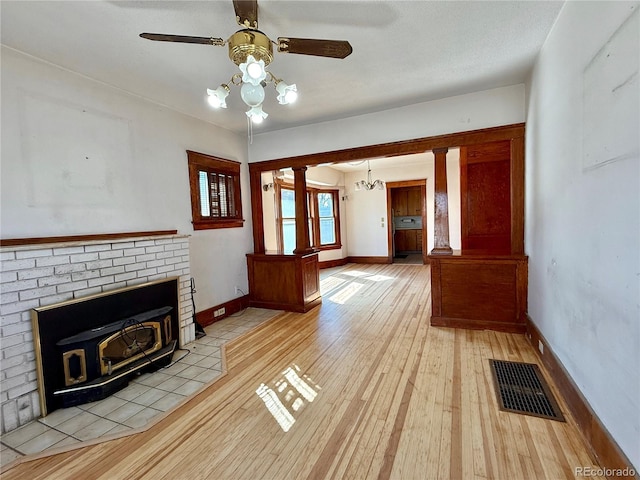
{"points": [[76, 243]]}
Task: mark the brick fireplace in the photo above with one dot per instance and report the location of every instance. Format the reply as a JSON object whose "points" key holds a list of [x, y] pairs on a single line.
{"points": [[34, 276]]}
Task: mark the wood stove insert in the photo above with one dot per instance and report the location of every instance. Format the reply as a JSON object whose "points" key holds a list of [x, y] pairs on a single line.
{"points": [[87, 349]]}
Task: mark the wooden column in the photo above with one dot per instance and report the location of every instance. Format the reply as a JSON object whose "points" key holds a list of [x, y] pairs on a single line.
{"points": [[302, 214], [255, 180], [441, 202]]}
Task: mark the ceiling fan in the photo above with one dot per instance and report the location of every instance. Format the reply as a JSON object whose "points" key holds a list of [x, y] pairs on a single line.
{"points": [[252, 51]]}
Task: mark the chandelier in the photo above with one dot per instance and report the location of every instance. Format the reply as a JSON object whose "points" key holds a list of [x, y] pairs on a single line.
{"points": [[368, 184], [252, 55]]}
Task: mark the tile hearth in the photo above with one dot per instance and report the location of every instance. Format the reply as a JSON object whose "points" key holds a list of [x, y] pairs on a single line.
{"points": [[146, 396]]}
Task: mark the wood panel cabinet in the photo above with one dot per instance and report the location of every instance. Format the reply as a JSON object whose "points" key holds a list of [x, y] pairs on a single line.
{"points": [[408, 241], [407, 201]]}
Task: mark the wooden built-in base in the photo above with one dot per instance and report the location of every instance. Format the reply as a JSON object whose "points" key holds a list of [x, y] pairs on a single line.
{"points": [[284, 282], [479, 292]]}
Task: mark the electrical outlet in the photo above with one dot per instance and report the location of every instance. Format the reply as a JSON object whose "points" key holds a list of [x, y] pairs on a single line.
{"points": [[219, 312], [541, 347]]}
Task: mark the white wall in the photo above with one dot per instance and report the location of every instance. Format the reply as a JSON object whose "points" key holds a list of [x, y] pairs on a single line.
{"points": [[490, 108], [583, 207], [80, 157], [366, 212]]}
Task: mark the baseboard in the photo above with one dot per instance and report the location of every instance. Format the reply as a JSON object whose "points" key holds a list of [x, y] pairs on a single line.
{"points": [[333, 263], [207, 317], [597, 437], [471, 324], [369, 260]]}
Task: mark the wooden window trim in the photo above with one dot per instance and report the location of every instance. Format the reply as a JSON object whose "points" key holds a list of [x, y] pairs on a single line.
{"points": [[201, 162], [315, 220]]}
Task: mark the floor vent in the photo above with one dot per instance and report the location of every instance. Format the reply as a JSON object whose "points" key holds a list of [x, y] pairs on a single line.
{"points": [[521, 389]]}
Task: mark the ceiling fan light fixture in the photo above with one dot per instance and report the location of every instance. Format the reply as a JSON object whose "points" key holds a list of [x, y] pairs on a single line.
{"points": [[217, 97], [287, 94], [253, 71], [252, 95], [256, 114]]}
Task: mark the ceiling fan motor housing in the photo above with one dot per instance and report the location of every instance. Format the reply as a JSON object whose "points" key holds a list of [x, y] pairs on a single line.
{"points": [[250, 42]]}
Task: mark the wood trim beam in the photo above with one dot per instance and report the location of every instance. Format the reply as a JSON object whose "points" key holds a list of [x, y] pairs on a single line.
{"points": [[441, 245], [517, 196], [302, 212], [255, 182], [16, 242]]}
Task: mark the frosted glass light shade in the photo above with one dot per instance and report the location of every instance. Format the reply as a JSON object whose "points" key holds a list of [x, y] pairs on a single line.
{"points": [[253, 71], [217, 97], [286, 93], [252, 95], [256, 114]]}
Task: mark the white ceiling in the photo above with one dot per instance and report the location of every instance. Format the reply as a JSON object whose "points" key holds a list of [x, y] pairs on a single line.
{"points": [[403, 51]]}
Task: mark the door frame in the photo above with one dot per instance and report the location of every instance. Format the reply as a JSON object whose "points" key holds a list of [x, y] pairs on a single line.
{"points": [[422, 183]]}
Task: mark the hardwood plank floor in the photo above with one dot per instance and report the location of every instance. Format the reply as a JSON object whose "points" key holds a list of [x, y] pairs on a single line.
{"points": [[359, 388]]}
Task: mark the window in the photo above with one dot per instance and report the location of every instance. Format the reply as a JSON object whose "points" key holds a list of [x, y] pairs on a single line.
{"points": [[215, 192], [324, 219]]}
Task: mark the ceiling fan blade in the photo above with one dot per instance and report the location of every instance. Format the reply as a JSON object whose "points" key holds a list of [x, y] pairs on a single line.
{"points": [[246, 13], [161, 37], [319, 48]]}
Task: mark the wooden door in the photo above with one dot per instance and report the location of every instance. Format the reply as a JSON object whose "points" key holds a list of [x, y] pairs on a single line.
{"points": [[485, 198]]}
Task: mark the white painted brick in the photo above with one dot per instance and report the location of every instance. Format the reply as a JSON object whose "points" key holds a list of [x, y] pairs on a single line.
{"points": [[9, 383], [69, 287], [99, 264], [125, 276], [18, 264], [184, 266], [137, 281], [37, 293], [123, 261], [15, 329], [9, 417], [6, 277], [173, 246], [3, 398], [166, 268], [48, 261], [46, 252], [111, 271], [35, 273], [172, 260], [163, 241], [53, 299], [154, 249], [68, 250], [32, 376], [35, 404], [7, 255], [133, 251], [181, 253], [114, 286], [25, 412], [19, 285], [31, 355], [133, 267], [145, 258], [124, 245], [157, 277], [84, 257], [20, 370], [85, 275], [21, 390], [56, 280], [111, 254], [16, 351], [9, 297], [147, 272], [97, 248], [87, 292], [155, 263], [26, 316], [162, 255], [9, 319], [10, 341], [28, 338], [145, 243], [71, 268], [8, 308], [100, 281]]}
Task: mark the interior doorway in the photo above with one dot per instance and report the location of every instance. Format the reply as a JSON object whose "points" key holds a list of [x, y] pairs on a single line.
{"points": [[406, 211]]}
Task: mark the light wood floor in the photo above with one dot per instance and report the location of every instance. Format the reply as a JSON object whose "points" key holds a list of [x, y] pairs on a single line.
{"points": [[360, 388]]}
